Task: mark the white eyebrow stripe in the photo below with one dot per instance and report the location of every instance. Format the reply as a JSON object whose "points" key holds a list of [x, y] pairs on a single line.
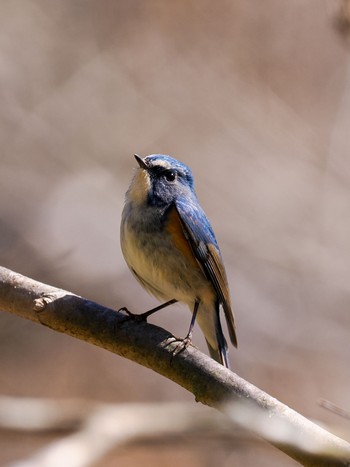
{"points": [[161, 163]]}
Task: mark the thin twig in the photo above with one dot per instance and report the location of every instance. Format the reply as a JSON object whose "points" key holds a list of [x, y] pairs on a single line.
{"points": [[334, 408]]}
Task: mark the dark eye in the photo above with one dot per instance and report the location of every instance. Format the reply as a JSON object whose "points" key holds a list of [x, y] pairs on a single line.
{"points": [[170, 175]]}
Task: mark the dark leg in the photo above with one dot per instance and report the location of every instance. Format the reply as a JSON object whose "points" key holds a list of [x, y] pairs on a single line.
{"points": [[184, 343], [193, 320], [146, 314]]}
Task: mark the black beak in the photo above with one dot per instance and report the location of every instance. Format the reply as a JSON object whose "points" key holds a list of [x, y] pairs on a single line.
{"points": [[141, 162]]}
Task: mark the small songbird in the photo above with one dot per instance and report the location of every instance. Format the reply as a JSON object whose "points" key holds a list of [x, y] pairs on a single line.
{"points": [[170, 247]]}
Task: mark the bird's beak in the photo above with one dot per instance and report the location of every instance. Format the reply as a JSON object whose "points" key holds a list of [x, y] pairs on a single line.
{"points": [[141, 162]]}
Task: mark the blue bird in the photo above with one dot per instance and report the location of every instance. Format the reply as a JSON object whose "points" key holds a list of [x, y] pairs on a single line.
{"points": [[170, 247]]}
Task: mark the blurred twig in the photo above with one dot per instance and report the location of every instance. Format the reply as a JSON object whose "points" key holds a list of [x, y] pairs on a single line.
{"points": [[151, 346], [106, 426], [334, 408], [27, 413], [342, 19]]}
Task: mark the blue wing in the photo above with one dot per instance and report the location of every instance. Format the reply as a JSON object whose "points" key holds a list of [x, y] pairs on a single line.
{"points": [[200, 235]]}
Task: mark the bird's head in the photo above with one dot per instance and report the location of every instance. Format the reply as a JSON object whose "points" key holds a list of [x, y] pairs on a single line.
{"points": [[160, 180]]}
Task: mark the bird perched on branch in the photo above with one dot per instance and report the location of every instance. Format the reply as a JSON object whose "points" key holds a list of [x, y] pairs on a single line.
{"points": [[170, 247]]}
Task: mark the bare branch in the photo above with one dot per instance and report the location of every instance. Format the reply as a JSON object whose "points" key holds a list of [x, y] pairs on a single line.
{"points": [[151, 346]]}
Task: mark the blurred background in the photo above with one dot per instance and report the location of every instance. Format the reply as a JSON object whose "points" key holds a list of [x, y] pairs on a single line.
{"points": [[255, 98]]}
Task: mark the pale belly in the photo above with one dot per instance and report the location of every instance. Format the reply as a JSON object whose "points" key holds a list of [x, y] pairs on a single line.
{"points": [[162, 270]]}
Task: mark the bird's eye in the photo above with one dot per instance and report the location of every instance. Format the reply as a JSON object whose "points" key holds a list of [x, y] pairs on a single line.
{"points": [[170, 175]]}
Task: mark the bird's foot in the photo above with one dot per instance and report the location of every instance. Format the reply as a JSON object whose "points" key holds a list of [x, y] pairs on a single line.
{"points": [[181, 344], [139, 318], [142, 317]]}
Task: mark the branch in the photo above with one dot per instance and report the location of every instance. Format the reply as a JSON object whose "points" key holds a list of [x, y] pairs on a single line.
{"points": [[152, 347]]}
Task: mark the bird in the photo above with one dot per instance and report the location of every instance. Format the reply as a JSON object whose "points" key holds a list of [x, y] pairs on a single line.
{"points": [[170, 247]]}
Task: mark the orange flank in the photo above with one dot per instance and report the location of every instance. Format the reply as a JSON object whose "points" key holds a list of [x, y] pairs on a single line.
{"points": [[174, 227]]}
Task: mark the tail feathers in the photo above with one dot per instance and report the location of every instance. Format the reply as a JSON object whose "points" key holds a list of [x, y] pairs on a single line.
{"points": [[209, 321], [220, 355], [221, 341]]}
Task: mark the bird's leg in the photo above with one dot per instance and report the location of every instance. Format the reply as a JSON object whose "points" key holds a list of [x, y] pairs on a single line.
{"points": [[186, 341], [146, 314]]}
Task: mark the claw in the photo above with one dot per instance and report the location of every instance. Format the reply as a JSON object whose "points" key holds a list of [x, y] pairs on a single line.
{"points": [[143, 316], [182, 344], [139, 318]]}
